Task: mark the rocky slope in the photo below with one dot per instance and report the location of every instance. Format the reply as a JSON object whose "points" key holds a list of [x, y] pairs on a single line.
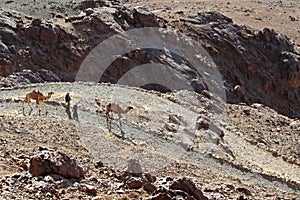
{"points": [[246, 162]]}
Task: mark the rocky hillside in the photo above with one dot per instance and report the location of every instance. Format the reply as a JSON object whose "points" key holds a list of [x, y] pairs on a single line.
{"points": [[258, 66], [157, 153]]}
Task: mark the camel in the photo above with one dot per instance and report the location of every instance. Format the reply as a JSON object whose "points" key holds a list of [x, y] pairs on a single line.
{"points": [[115, 108], [39, 97]]}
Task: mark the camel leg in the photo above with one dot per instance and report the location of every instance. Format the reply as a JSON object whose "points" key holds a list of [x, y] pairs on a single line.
{"points": [[108, 122], [45, 108], [23, 102], [44, 105], [28, 102], [39, 106], [121, 130]]}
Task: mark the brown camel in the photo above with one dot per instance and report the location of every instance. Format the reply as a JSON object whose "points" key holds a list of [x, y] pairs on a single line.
{"points": [[39, 97]]}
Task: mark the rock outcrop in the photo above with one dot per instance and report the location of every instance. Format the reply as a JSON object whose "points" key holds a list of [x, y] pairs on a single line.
{"points": [[33, 44], [51, 162], [257, 66]]}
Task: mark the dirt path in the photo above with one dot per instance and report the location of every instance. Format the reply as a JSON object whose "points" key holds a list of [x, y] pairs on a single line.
{"points": [[143, 134]]}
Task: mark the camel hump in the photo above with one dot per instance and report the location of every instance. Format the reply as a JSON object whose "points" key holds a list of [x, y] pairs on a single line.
{"points": [[36, 92]]}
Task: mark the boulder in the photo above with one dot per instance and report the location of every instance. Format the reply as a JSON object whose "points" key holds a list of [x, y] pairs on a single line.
{"points": [[134, 183], [142, 16], [149, 187], [53, 162], [189, 187]]}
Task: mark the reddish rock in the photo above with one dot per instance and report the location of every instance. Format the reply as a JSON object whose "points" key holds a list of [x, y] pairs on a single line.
{"points": [[244, 190], [189, 187], [149, 187], [53, 162], [134, 183]]}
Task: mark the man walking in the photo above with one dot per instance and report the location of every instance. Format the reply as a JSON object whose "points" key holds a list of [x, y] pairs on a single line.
{"points": [[68, 100]]}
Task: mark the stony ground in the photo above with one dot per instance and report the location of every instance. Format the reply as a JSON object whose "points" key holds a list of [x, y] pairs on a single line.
{"points": [[249, 156]]}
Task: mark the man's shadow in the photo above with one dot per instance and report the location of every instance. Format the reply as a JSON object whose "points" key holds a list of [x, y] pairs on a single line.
{"points": [[75, 112]]}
